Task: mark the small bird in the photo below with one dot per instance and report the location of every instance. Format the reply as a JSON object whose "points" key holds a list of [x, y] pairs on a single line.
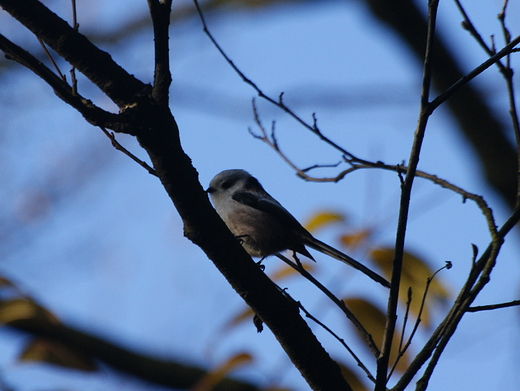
{"points": [[263, 225]]}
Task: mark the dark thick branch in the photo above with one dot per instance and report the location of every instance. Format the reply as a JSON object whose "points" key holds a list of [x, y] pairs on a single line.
{"points": [[98, 66], [162, 372], [157, 132], [160, 12], [93, 114], [204, 227]]}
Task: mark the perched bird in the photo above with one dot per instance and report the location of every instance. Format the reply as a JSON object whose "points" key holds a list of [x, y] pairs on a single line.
{"points": [[263, 225]]}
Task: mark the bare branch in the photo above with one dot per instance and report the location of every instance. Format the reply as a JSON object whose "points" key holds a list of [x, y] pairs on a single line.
{"points": [[334, 335], [403, 331], [119, 147], [49, 56], [75, 26], [508, 77], [276, 102], [98, 66], [470, 27], [91, 112], [404, 206], [418, 320], [489, 307], [506, 50], [478, 278], [160, 13], [339, 303]]}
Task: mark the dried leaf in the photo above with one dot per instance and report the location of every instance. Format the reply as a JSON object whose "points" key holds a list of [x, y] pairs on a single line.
{"points": [[5, 282], [18, 310], [208, 381], [322, 219], [56, 353], [287, 271], [351, 377], [355, 239], [370, 317], [415, 274], [246, 314], [374, 320]]}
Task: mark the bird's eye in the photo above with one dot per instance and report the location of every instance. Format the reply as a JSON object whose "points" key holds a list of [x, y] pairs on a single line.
{"points": [[227, 184]]}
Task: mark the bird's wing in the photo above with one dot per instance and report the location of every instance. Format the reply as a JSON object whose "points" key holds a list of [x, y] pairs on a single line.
{"points": [[269, 206], [272, 208]]}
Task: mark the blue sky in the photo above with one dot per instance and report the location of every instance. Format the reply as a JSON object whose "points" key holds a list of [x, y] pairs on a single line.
{"points": [[109, 254]]}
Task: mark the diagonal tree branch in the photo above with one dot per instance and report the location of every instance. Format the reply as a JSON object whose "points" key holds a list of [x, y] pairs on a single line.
{"points": [[469, 291], [339, 303], [98, 66], [204, 227], [158, 133], [404, 205], [455, 87], [490, 307], [93, 114], [477, 120], [162, 372]]}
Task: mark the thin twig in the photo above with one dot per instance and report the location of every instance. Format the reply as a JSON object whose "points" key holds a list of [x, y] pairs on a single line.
{"points": [[334, 335], [505, 70], [75, 26], [273, 143], [49, 56], [92, 113], [443, 97], [340, 303], [418, 320], [479, 277], [313, 127], [404, 207], [508, 77], [468, 25], [405, 322], [119, 147], [493, 306]]}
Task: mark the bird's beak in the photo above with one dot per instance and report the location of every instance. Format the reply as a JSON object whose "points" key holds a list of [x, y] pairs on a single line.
{"points": [[210, 190]]}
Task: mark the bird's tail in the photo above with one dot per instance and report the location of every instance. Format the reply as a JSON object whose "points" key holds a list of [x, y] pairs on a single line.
{"points": [[331, 251]]}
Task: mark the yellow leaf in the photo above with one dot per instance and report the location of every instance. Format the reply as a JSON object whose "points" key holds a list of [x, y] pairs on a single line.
{"points": [[24, 310], [4, 282], [287, 271], [351, 377], [322, 219], [56, 353], [355, 239], [374, 320], [415, 274], [239, 318], [211, 379]]}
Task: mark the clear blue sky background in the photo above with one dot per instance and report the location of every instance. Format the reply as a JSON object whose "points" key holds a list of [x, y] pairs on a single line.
{"points": [[108, 255]]}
